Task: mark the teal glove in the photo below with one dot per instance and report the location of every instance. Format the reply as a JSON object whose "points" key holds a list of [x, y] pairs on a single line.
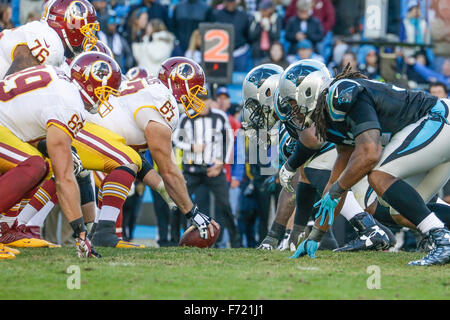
{"points": [[308, 247], [327, 206]]}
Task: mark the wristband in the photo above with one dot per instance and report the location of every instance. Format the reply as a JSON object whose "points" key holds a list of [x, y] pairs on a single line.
{"points": [[316, 234], [336, 191], [192, 213], [78, 227]]}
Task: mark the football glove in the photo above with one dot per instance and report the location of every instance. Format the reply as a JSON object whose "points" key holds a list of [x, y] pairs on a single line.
{"points": [[286, 176], [307, 247], [200, 221], [85, 248], [326, 207]]}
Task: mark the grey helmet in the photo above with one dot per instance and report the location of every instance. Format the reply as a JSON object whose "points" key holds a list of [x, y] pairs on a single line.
{"points": [[258, 89], [291, 101]]}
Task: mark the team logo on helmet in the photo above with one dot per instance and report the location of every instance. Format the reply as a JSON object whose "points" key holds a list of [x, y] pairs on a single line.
{"points": [[77, 10], [298, 73], [185, 71], [101, 71], [261, 75]]}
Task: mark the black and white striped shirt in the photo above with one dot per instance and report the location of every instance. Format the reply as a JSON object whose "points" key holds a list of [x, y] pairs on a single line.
{"points": [[213, 130]]}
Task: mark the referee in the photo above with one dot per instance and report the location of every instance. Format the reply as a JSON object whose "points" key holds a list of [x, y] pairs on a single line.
{"points": [[207, 143]]}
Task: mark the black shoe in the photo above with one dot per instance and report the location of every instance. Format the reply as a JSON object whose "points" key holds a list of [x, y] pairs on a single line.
{"points": [[389, 233], [441, 252], [370, 235], [105, 236]]}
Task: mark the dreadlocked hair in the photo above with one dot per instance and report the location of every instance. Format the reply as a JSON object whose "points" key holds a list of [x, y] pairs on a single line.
{"points": [[319, 114]]}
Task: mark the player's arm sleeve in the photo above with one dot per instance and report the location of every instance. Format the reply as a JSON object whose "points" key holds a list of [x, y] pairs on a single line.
{"points": [[69, 121], [362, 116], [144, 114]]}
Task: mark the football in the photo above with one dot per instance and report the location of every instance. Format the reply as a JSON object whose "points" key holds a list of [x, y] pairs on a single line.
{"points": [[191, 238]]}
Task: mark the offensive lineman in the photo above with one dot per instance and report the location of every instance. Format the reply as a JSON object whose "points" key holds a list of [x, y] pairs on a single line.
{"points": [[43, 102]]}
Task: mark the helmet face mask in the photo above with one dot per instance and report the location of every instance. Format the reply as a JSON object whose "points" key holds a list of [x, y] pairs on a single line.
{"points": [[296, 100], [186, 80], [259, 88], [75, 22], [97, 76]]}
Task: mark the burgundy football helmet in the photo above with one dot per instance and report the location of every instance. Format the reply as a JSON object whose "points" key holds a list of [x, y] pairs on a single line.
{"points": [[97, 76], [74, 21], [186, 80], [137, 73]]}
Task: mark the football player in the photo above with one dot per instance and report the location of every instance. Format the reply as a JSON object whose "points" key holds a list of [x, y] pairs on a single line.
{"points": [[66, 28], [386, 133], [258, 118], [144, 116], [41, 102], [103, 146]]}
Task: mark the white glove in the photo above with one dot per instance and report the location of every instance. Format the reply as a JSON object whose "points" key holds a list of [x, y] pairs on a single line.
{"points": [[78, 169], [286, 176]]}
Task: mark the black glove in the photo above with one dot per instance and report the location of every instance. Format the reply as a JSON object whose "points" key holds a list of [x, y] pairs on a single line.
{"points": [[200, 221]]}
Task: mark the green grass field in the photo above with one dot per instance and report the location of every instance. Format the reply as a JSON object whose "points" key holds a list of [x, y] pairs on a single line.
{"points": [[190, 273]]}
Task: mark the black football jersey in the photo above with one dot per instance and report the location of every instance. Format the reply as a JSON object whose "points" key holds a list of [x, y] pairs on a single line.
{"points": [[358, 105]]}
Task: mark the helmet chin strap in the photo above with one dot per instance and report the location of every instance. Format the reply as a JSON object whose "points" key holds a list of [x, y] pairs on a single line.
{"points": [[66, 39], [94, 108]]}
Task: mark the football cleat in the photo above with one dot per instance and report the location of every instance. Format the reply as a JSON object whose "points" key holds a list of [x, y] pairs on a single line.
{"points": [[284, 244], [268, 243], [105, 236], [440, 254], [370, 235], [6, 253], [14, 238]]}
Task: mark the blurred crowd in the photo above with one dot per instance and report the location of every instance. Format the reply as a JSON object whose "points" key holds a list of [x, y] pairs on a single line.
{"points": [[146, 32]]}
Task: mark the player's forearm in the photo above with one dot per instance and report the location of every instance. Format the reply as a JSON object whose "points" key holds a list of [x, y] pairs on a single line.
{"points": [[23, 59], [69, 197], [176, 188], [358, 167]]}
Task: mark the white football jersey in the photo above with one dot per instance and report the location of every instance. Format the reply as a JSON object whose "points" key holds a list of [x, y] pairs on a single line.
{"points": [[42, 40], [140, 102], [38, 97]]}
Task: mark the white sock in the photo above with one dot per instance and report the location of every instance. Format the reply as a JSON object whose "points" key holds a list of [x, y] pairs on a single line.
{"points": [[109, 213], [26, 214], [430, 222], [351, 207], [97, 214], [41, 215]]}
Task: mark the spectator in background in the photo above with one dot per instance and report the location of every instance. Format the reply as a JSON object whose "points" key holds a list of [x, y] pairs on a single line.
{"points": [[370, 65], [241, 23], [440, 33], [303, 26], [186, 17], [438, 89], [349, 57], [305, 51], [348, 16], [195, 46], [138, 28], [33, 16], [324, 11], [265, 28], [5, 16], [207, 143], [101, 7], [276, 55], [154, 10], [151, 53], [414, 28], [117, 44], [429, 74]]}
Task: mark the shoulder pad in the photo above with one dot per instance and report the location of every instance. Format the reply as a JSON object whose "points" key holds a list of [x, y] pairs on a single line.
{"points": [[341, 97]]}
